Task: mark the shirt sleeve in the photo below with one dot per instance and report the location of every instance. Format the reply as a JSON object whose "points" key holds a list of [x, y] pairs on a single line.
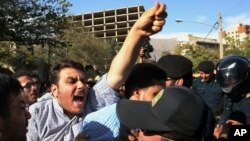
{"points": [[105, 127], [32, 134], [101, 95]]}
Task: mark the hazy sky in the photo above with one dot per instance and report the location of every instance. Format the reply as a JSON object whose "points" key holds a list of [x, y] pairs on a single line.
{"points": [[205, 11]]}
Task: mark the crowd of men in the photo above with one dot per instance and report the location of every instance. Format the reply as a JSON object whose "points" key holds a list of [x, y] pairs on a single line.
{"points": [[161, 101]]}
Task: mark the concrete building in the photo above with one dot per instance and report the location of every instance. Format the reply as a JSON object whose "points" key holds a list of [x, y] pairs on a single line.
{"points": [[111, 24], [239, 32], [114, 24], [205, 42]]}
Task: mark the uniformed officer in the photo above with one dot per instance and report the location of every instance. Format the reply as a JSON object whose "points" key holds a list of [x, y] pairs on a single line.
{"points": [[207, 87], [233, 75]]}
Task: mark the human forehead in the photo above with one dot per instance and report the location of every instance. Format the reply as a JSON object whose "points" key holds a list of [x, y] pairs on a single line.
{"points": [[24, 79], [201, 72], [71, 72], [35, 79]]}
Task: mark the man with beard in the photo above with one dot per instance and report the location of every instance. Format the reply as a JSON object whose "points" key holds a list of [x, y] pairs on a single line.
{"points": [[138, 88], [13, 114], [30, 91], [58, 118], [206, 86]]}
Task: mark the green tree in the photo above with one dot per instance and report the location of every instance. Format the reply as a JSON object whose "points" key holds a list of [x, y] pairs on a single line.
{"points": [[241, 48], [33, 27], [16, 57], [32, 21], [83, 47], [197, 53]]}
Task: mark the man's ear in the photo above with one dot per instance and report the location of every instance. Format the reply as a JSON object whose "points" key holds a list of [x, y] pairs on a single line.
{"points": [[179, 82], [135, 95], [54, 90]]}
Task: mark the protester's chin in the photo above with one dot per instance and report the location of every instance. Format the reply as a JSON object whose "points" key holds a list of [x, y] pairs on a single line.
{"points": [[79, 110]]}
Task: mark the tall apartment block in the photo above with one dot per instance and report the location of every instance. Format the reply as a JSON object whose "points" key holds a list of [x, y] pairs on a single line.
{"points": [[110, 24], [239, 32]]}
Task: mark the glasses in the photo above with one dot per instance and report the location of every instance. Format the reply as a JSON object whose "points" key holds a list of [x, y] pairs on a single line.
{"points": [[29, 85]]}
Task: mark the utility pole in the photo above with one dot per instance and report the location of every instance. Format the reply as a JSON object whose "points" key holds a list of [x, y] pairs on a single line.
{"points": [[221, 49]]}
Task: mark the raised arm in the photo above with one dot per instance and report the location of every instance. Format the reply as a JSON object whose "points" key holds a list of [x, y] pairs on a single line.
{"points": [[149, 23]]}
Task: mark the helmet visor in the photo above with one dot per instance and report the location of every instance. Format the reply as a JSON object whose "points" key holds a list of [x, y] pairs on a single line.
{"points": [[227, 81]]}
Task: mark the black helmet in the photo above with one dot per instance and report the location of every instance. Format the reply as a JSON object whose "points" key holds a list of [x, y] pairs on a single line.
{"points": [[233, 75]]}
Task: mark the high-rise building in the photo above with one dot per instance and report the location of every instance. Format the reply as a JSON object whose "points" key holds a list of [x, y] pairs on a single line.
{"points": [[111, 24]]}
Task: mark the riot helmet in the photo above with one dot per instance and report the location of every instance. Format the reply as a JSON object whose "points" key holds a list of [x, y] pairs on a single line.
{"points": [[233, 75]]}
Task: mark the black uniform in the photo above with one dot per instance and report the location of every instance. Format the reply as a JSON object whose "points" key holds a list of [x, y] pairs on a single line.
{"points": [[209, 91], [238, 110]]}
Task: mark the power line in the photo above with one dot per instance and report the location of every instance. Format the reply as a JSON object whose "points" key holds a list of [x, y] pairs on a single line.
{"points": [[214, 27]]}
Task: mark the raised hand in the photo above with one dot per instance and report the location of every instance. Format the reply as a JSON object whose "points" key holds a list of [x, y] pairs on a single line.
{"points": [[151, 20]]}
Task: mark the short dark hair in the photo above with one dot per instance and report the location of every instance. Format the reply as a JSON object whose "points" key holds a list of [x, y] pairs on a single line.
{"points": [[188, 80], [143, 75], [34, 75], [61, 65], [21, 73], [8, 87]]}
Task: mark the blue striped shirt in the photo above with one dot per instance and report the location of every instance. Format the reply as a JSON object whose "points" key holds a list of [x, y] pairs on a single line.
{"points": [[49, 123], [102, 125]]}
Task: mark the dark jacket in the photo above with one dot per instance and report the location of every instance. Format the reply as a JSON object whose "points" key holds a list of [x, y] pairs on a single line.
{"points": [[209, 91]]}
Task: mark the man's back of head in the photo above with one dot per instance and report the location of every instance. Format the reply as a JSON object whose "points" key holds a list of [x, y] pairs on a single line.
{"points": [[13, 114]]}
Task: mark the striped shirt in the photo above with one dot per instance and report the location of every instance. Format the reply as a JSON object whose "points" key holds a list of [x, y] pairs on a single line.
{"points": [[49, 123], [102, 125]]}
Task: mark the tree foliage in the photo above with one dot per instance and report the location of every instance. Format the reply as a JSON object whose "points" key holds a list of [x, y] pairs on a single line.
{"points": [[16, 57], [197, 53], [238, 48], [83, 47], [28, 29], [32, 21]]}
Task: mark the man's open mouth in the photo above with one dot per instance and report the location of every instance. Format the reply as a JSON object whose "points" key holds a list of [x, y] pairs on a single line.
{"points": [[78, 98]]}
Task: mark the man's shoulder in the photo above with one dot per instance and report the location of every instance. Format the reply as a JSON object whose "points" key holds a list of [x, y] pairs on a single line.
{"points": [[246, 101], [41, 105], [46, 96], [103, 124], [109, 110]]}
